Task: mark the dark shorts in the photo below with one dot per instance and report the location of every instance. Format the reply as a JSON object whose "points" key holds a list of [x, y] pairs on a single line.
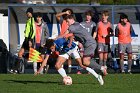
{"points": [[25, 44], [41, 49], [125, 48]]}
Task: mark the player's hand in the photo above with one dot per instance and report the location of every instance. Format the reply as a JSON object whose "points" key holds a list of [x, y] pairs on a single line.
{"points": [[68, 12], [69, 45], [104, 36]]}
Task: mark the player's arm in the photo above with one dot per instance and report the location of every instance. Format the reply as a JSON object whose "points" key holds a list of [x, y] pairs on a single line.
{"points": [[116, 31], [131, 29], [58, 15], [94, 35], [71, 38], [111, 31], [79, 61], [43, 64], [63, 35]]}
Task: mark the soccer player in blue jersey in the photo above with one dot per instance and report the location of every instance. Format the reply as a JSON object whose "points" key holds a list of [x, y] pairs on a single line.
{"points": [[65, 49]]}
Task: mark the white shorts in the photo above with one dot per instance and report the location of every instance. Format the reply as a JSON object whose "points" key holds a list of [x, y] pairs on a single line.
{"points": [[74, 52]]}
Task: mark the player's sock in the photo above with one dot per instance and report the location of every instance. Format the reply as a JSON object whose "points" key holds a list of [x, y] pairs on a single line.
{"points": [[94, 65], [62, 72], [92, 72], [70, 66], [104, 63], [35, 67], [101, 62], [122, 65], [69, 69], [129, 64]]}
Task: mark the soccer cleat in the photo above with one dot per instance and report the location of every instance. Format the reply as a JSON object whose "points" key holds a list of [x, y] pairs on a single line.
{"points": [[100, 79], [11, 71], [129, 71], [123, 72]]}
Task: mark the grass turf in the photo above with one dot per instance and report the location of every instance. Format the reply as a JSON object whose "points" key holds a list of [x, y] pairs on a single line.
{"points": [[52, 83]]}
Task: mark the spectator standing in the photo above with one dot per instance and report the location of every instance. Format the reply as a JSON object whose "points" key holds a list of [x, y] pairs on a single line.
{"points": [[123, 32], [42, 34], [29, 34], [104, 30], [90, 26]]}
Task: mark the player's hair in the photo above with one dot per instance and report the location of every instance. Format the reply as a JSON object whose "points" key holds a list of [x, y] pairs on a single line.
{"points": [[66, 9], [89, 12], [123, 16], [49, 43], [105, 12], [70, 17], [38, 14]]}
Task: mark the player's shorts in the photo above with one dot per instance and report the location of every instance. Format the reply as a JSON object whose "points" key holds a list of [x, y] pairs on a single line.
{"points": [[41, 49], [25, 45], [89, 51], [125, 48], [74, 52], [103, 48]]}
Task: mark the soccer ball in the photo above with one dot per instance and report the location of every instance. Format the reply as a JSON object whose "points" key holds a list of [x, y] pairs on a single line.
{"points": [[67, 80]]}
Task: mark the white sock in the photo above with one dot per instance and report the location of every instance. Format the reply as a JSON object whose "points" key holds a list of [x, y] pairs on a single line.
{"points": [[62, 72], [62, 66], [69, 66], [102, 68], [35, 66], [92, 72]]}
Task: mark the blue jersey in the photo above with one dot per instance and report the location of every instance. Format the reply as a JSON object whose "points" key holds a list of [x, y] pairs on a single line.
{"points": [[62, 45]]}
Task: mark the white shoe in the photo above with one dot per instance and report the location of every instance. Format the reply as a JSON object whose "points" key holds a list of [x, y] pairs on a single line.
{"points": [[100, 79]]}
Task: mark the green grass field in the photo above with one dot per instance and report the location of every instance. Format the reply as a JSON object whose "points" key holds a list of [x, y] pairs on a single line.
{"points": [[52, 83]]}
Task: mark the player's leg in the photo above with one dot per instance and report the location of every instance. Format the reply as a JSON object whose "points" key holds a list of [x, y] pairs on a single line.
{"points": [[21, 52], [129, 51], [20, 59], [129, 62], [101, 53], [106, 51], [121, 55], [69, 64], [81, 51], [87, 61], [60, 61], [105, 59], [79, 61], [122, 62]]}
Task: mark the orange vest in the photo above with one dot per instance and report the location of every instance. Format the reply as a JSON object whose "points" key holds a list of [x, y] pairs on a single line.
{"points": [[103, 30], [38, 33], [64, 28], [124, 35]]}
